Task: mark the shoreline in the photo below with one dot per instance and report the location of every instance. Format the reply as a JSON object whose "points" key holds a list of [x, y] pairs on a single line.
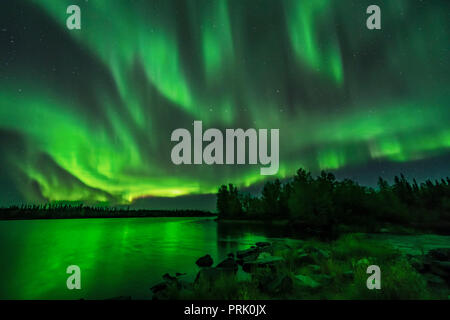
{"points": [[15, 214], [86, 218], [311, 270], [278, 222]]}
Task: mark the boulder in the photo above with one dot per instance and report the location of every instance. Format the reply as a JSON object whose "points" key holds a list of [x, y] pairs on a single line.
{"points": [[245, 253], [228, 264], [168, 278], [205, 261], [159, 287], [262, 244], [264, 255], [161, 290], [185, 285], [248, 258], [278, 249], [209, 276]]}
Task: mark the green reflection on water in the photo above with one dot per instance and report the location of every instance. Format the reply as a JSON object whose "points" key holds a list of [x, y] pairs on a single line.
{"points": [[117, 257]]}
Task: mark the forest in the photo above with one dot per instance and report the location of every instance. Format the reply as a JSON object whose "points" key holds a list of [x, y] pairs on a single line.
{"points": [[323, 205]]}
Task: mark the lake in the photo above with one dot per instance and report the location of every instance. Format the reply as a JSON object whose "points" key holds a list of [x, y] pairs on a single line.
{"points": [[117, 257], [126, 256]]}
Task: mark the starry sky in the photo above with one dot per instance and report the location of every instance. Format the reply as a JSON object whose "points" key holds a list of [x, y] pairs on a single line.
{"points": [[86, 115]]}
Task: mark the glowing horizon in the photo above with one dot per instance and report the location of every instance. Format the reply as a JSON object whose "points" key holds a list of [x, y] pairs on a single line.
{"points": [[86, 115]]}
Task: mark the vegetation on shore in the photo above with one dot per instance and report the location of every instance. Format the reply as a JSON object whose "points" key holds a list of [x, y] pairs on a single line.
{"points": [[317, 206], [315, 270], [322, 206], [59, 211]]}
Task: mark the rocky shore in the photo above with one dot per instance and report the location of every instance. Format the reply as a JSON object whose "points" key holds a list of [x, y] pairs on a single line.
{"points": [[313, 271]]}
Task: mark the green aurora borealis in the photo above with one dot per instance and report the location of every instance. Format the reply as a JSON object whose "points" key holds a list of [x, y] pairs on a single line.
{"points": [[86, 115]]}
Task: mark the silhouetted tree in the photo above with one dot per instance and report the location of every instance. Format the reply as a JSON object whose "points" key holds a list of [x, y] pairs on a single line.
{"points": [[323, 203], [229, 202], [271, 197]]}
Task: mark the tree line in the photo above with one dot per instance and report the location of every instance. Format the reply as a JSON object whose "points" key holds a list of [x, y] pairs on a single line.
{"points": [[77, 211], [323, 202]]}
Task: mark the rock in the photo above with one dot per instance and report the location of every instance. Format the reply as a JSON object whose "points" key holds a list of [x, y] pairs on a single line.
{"points": [[262, 244], [305, 281], [245, 253], [268, 249], [168, 278], [263, 263], [159, 287], [279, 249], [209, 276], [171, 281], [248, 258], [185, 285], [205, 261], [229, 264], [160, 290], [264, 255]]}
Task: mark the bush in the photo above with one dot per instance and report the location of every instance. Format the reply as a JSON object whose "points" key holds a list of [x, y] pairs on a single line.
{"points": [[399, 280]]}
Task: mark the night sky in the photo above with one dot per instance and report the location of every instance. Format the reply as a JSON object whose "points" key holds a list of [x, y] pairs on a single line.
{"points": [[86, 115]]}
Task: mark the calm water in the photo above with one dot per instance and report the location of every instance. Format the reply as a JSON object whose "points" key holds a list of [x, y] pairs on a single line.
{"points": [[117, 257], [125, 257]]}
